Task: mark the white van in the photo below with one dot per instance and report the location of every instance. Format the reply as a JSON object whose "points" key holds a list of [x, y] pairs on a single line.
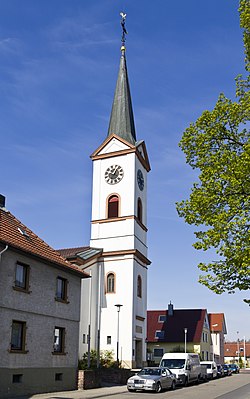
{"points": [[186, 366], [211, 369]]}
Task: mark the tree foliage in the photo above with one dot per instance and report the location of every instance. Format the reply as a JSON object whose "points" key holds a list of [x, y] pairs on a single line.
{"points": [[218, 145]]}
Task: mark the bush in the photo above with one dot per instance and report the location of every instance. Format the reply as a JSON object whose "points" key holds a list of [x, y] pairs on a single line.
{"points": [[106, 360]]}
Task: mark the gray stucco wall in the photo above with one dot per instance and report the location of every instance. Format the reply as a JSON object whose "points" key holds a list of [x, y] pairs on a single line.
{"points": [[36, 380], [42, 313]]}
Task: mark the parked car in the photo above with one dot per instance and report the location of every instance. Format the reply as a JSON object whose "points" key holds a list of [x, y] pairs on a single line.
{"points": [[235, 368], [203, 373], [227, 370], [211, 369], [186, 366], [152, 379], [220, 371]]}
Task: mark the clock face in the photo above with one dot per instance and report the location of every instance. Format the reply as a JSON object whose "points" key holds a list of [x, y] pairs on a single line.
{"points": [[140, 179], [114, 174]]}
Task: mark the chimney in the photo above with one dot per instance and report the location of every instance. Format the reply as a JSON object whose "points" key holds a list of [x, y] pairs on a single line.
{"points": [[170, 309], [2, 201]]}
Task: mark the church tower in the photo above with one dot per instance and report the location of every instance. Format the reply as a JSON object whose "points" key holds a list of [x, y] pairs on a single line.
{"points": [[119, 227]]}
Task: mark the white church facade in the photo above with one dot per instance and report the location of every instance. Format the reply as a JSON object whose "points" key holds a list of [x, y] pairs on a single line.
{"points": [[114, 300]]}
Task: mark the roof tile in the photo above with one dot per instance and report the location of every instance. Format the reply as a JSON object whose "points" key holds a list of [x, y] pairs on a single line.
{"points": [[192, 319], [16, 234]]}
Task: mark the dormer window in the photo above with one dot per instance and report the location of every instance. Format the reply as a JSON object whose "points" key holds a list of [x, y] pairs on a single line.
{"points": [[159, 334]]}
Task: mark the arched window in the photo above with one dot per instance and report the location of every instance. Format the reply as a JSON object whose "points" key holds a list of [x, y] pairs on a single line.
{"points": [[113, 206], [111, 282], [139, 286], [139, 209]]}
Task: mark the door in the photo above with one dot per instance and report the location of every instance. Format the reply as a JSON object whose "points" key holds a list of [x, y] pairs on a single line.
{"points": [[138, 353]]}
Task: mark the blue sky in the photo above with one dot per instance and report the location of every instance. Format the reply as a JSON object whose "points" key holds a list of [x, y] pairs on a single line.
{"points": [[58, 69]]}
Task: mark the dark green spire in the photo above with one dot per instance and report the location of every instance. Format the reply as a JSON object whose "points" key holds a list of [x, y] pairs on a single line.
{"points": [[122, 119]]}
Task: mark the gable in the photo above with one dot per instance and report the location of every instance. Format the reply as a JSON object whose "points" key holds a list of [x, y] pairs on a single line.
{"points": [[206, 322], [217, 322], [113, 145], [142, 154], [141, 149]]}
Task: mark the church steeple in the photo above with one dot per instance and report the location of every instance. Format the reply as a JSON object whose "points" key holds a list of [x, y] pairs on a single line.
{"points": [[119, 231], [122, 118]]}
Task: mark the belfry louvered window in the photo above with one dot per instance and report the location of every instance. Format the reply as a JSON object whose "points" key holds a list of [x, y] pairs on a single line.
{"points": [[139, 286], [139, 210], [113, 206]]}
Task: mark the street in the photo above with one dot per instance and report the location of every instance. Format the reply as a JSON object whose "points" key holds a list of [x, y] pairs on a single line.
{"points": [[233, 387], [236, 386]]}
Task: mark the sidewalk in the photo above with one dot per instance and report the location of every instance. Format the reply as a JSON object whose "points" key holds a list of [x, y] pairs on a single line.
{"points": [[81, 394]]}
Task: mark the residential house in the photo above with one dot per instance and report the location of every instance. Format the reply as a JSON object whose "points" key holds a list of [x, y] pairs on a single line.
{"points": [[234, 351], [39, 311], [178, 330], [218, 330]]}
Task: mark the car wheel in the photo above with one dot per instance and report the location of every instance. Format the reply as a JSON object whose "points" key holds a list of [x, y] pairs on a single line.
{"points": [[158, 387], [173, 385], [186, 382], [131, 390]]}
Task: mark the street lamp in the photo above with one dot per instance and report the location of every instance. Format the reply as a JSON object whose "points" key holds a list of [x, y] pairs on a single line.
{"points": [[118, 321], [213, 325], [185, 332], [238, 347]]}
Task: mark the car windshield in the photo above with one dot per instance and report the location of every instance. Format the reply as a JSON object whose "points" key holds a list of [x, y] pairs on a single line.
{"points": [[209, 366], [173, 363], [150, 372]]}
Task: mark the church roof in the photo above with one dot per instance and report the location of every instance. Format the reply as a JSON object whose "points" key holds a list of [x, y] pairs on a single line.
{"points": [[70, 252], [19, 237], [80, 255], [122, 118]]}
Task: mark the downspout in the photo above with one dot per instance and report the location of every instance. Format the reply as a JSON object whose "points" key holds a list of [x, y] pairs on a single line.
{"points": [[5, 249]]}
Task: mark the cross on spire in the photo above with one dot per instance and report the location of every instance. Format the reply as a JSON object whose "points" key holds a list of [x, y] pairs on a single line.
{"points": [[124, 31]]}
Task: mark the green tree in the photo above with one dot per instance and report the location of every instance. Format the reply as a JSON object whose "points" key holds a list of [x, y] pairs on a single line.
{"points": [[218, 145]]}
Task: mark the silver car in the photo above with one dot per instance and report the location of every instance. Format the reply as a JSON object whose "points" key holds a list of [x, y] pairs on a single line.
{"points": [[152, 379]]}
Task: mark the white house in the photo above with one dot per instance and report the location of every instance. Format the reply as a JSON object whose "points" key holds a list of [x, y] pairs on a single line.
{"points": [[218, 330]]}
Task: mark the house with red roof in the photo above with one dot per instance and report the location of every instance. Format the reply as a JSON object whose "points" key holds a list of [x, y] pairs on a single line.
{"points": [[178, 330], [40, 296], [218, 331], [234, 351]]}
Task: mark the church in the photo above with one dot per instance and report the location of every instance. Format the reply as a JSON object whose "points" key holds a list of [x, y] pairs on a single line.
{"points": [[114, 300]]}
